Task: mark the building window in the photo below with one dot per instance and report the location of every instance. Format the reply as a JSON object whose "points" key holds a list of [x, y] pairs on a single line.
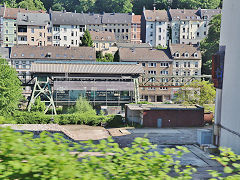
{"points": [[40, 27], [72, 42], [152, 64], [177, 54], [184, 73], [196, 64], [205, 33], [123, 30], [143, 64], [151, 33], [189, 64], [56, 28], [49, 30], [32, 30], [160, 30], [198, 34], [32, 38], [188, 73], [159, 37], [96, 45], [72, 33], [177, 64], [6, 31], [205, 25], [177, 73], [198, 25], [49, 38], [126, 30], [65, 38], [56, 37], [185, 64], [151, 88], [40, 34], [152, 72], [196, 73], [186, 55], [151, 26], [184, 30], [40, 43], [164, 64], [163, 88], [195, 55], [164, 72]]}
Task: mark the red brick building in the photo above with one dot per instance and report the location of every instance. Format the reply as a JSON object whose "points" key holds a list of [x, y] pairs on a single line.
{"points": [[165, 115], [136, 29]]}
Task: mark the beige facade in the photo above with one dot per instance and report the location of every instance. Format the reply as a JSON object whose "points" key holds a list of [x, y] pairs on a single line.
{"points": [[35, 35], [104, 42]]}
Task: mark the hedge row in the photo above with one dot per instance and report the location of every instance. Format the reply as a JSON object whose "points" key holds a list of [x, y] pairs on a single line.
{"points": [[23, 117]]}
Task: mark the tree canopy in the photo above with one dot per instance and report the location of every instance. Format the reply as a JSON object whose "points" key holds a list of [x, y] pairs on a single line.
{"points": [[10, 88], [118, 6], [87, 40], [197, 92], [210, 44]]}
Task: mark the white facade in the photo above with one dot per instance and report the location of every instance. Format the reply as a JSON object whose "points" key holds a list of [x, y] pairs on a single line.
{"points": [[188, 32], [157, 33], [68, 35], [227, 120]]}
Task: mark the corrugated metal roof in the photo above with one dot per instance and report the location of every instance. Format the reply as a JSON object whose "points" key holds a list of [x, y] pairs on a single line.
{"points": [[87, 68]]}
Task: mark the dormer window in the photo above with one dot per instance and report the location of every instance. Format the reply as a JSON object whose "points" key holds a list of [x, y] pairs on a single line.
{"points": [[195, 55], [186, 54], [96, 37], [177, 54]]}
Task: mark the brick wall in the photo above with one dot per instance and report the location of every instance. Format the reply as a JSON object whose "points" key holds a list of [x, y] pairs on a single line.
{"points": [[178, 118]]}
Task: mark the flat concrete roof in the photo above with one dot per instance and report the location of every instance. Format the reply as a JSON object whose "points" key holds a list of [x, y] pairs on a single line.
{"points": [[146, 107]]}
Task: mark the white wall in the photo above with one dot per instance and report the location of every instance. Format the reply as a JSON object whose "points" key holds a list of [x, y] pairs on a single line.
{"points": [[230, 106]]}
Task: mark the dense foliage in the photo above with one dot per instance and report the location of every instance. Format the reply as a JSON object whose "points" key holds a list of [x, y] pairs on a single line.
{"points": [[38, 105], [10, 88], [197, 92], [210, 45], [121, 6], [87, 40], [105, 58], [52, 157]]}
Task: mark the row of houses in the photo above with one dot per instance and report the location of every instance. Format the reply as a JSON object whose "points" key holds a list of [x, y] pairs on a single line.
{"points": [[179, 60], [156, 27]]}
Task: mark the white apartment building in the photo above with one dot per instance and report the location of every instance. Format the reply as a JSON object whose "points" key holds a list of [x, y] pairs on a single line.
{"points": [[155, 24], [187, 61], [68, 28], [190, 26]]}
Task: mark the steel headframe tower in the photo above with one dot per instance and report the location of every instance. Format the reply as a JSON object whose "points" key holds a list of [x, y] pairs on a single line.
{"points": [[42, 88]]}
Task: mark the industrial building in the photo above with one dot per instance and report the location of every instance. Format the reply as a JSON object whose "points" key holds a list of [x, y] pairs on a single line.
{"points": [[61, 83], [165, 115]]}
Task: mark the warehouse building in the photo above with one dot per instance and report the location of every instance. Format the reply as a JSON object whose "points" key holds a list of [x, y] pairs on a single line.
{"points": [[165, 115]]}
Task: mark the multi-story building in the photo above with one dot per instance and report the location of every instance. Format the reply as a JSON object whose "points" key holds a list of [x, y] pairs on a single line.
{"points": [[34, 29], [190, 26], [68, 28], [10, 25], [136, 29], [104, 42], [155, 25], [207, 15], [157, 65], [23, 56], [1, 25], [187, 61]]}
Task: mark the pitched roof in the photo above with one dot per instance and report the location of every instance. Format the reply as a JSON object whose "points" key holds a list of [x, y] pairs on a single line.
{"points": [[184, 14], [86, 68], [209, 12], [116, 18], [11, 13], [184, 48], [102, 36], [156, 15], [53, 52], [136, 19], [144, 54], [133, 45], [91, 18], [67, 18], [34, 19]]}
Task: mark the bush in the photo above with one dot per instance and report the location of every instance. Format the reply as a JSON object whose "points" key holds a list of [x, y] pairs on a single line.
{"points": [[115, 121], [24, 117]]}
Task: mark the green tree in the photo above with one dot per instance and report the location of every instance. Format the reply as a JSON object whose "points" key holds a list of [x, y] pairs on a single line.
{"points": [[197, 92], [210, 44], [57, 6], [83, 106], [85, 5], [118, 6], [87, 40], [106, 58], [9, 3], [10, 88], [32, 4], [38, 105]]}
